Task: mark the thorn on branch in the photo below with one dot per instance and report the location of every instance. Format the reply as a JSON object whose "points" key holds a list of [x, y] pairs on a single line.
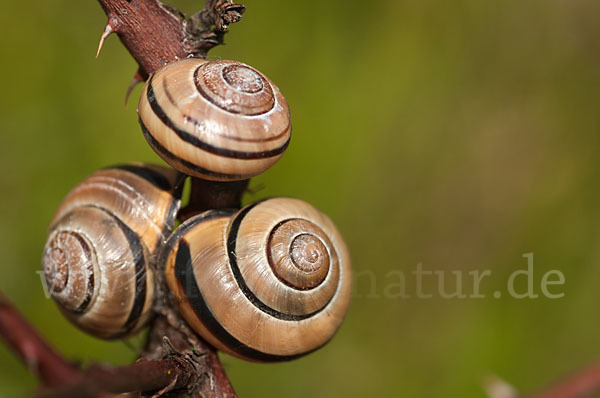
{"points": [[168, 349], [139, 77], [111, 27]]}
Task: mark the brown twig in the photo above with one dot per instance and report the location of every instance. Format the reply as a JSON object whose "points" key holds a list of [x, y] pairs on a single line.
{"points": [[206, 195], [207, 28], [156, 34], [582, 384], [176, 360], [143, 375], [152, 33], [172, 334], [39, 358]]}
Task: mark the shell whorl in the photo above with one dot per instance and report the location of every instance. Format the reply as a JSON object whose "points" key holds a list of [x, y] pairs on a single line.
{"points": [[98, 259], [278, 225], [69, 268], [269, 283], [298, 254], [98, 272], [143, 196], [219, 120], [235, 88]]}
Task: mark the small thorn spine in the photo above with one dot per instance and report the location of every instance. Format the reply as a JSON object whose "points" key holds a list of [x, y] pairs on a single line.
{"points": [[110, 28]]}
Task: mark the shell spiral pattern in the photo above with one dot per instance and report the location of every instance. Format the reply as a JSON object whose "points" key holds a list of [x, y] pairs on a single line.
{"points": [[271, 282], [218, 120], [98, 257]]}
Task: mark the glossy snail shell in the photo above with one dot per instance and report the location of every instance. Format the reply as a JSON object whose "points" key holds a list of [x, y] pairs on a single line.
{"points": [[218, 120], [98, 257], [271, 282]]}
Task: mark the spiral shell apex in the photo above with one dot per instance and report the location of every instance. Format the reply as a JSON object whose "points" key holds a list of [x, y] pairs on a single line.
{"points": [[218, 120], [97, 271], [271, 282]]}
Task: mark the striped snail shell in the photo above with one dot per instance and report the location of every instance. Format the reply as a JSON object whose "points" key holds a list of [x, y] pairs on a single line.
{"points": [[98, 257], [217, 120], [271, 282]]}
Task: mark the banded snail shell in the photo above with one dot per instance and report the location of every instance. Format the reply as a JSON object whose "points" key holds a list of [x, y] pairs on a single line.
{"points": [[99, 255], [217, 120], [271, 282]]}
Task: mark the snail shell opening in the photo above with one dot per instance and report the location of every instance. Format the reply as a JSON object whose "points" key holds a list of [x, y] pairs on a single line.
{"points": [[218, 120], [269, 283]]}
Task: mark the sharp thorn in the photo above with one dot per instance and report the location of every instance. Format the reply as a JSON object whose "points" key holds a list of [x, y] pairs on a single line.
{"points": [[137, 78], [107, 31]]}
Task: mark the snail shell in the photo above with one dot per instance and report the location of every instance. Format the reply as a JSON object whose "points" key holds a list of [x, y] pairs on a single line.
{"points": [[271, 282], [98, 257], [218, 120]]}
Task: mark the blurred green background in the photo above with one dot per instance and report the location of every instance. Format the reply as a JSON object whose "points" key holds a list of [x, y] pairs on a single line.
{"points": [[457, 135]]}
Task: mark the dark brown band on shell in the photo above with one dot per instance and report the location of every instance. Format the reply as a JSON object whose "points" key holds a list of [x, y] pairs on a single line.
{"points": [[137, 251], [176, 160], [231, 250], [217, 266], [153, 177], [187, 280], [200, 125], [198, 143], [218, 120]]}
